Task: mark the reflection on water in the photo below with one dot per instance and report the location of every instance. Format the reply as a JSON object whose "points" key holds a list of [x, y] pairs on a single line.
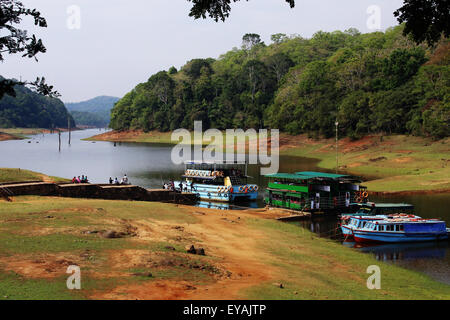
{"points": [[227, 206], [403, 251], [149, 165]]}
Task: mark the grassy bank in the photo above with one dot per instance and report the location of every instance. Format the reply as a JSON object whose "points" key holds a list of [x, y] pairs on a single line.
{"points": [[246, 255], [19, 133], [134, 136], [393, 163], [20, 175]]}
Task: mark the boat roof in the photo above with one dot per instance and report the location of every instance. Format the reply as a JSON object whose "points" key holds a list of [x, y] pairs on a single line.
{"points": [[367, 217], [224, 162], [314, 174], [310, 175], [386, 205], [406, 220], [291, 176]]}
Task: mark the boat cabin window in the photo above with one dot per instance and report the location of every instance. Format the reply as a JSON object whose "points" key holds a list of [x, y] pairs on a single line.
{"points": [[402, 228], [397, 227]]}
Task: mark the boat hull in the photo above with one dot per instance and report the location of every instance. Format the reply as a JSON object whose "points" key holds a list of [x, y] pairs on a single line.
{"points": [[385, 237], [347, 232], [212, 193]]}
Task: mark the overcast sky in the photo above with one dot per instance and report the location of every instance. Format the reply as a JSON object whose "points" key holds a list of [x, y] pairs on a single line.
{"points": [[121, 43]]}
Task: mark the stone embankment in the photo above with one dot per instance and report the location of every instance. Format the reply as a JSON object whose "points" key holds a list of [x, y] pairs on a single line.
{"points": [[94, 191]]}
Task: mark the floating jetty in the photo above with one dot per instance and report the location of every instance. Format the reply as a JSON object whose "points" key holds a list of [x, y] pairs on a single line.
{"points": [[95, 191]]}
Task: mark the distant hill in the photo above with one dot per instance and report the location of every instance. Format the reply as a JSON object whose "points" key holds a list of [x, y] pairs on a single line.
{"points": [[32, 110], [94, 112]]}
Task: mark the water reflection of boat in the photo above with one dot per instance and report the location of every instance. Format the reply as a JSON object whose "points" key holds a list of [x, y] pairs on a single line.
{"points": [[225, 205], [213, 205], [403, 251]]}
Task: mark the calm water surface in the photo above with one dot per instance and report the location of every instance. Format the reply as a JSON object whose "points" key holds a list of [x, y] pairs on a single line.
{"points": [[149, 165]]}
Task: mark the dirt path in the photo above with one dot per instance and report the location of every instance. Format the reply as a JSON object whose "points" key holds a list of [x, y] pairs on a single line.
{"points": [[226, 237]]}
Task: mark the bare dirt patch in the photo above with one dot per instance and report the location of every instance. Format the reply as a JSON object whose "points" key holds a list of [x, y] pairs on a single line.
{"points": [[40, 266], [237, 264], [403, 160]]}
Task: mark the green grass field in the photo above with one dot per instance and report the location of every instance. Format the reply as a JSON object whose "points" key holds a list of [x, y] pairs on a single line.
{"points": [[40, 236], [23, 133], [318, 268], [21, 175], [397, 163]]}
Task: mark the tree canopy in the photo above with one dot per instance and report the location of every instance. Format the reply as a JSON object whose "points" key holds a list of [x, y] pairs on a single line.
{"points": [[14, 40], [28, 109], [216, 9], [425, 20], [372, 83]]}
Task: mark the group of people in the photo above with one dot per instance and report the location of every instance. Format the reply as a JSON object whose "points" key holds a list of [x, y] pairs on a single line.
{"points": [[83, 179], [123, 181], [180, 188]]}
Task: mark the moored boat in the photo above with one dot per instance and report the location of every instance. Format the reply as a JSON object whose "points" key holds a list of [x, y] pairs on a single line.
{"points": [[401, 230], [376, 211], [314, 191], [218, 181], [356, 222]]}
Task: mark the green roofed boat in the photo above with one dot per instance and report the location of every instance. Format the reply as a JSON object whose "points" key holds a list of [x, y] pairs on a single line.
{"points": [[315, 191]]}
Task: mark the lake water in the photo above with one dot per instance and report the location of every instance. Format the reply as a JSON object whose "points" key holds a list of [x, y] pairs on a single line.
{"points": [[149, 165]]}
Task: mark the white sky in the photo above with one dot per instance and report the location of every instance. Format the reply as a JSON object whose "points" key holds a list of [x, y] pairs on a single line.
{"points": [[123, 42]]}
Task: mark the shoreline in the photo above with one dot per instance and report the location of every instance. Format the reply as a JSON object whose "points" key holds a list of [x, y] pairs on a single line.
{"points": [[404, 165], [7, 134]]}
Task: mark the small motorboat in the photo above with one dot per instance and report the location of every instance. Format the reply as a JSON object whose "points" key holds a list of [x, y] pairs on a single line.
{"points": [[351, 223], [396, 230], [369, 210]]}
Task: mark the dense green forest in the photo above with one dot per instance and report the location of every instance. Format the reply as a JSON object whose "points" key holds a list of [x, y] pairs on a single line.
{"points": [[32, 110], [379, 82], [95, 112]]}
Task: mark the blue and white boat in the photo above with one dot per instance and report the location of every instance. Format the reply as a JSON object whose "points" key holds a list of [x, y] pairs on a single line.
{"points": [[401, 230], [218, 181], [374, 211], [356, 222]]}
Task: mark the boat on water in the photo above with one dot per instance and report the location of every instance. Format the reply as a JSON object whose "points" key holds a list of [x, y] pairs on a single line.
{"points": [[314, 191], [218, 181], [351, 223], [401, 229], [374, 211]]}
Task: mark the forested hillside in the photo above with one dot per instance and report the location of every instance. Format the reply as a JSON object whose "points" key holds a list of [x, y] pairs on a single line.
{"points": [[371, 83], [32, 110], [94, 112]]}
